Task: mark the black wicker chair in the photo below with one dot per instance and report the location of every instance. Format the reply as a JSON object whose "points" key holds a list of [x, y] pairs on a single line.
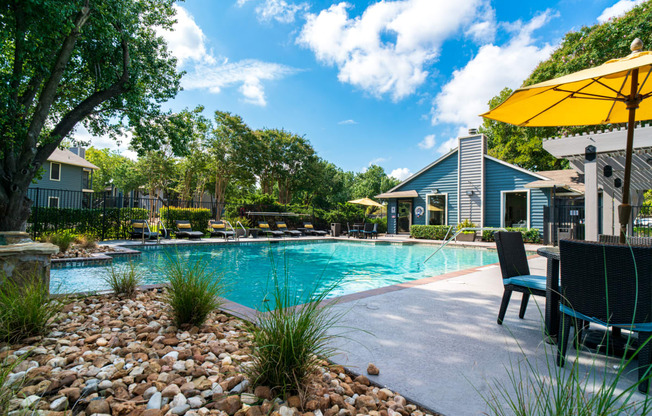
{"points": [[184, 230], [371, 230], [516, 272], [591, 274]]}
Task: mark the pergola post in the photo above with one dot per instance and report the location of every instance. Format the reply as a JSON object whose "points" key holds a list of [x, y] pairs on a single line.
{"points": [[590, 194], [608, 211]]}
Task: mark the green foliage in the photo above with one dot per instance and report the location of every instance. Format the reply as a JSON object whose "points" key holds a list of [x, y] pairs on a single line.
{"points": [[466, 224], [113, 223], [124, 280], [115, 170], [246, 222], [86, 241], [194, 290], [343, 213], [530, 235], [26, 308], [372, 182], [198, 217], [289, 342], [430, 232], [382, 223], [62, 239]]}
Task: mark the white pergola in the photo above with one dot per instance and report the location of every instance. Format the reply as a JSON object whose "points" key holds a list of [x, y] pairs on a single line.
{"points": [[610, 151]]}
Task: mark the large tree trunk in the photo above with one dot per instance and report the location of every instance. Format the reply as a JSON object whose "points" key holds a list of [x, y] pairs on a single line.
{"points": [[14, 211], [220, 193]]}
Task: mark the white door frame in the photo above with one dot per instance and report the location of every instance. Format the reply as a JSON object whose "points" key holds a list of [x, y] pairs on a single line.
{"points": [[502, 205], [445, 194]]}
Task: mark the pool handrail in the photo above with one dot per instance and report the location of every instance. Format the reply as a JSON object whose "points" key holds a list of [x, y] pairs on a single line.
{"points": [[243, 229], [460, 231], [235, 235]]}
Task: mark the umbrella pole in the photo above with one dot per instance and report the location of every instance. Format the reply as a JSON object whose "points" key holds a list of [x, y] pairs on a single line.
{"points": [[625, 210]]}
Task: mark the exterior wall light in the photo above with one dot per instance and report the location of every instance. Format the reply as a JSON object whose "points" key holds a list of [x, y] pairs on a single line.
{"points": [[469, 193]]}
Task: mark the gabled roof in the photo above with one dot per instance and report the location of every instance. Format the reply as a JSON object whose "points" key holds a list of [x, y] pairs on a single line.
{"points": [[567, 179], [450, 153], [67, 157]]}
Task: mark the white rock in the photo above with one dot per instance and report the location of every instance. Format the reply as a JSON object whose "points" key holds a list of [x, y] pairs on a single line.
{"points": [[59, 404], [179, 400], [172, 354], [105, 384], [227, 360], [195, 402], [179, 366], [155, 402], [57, 362], [149, 393], [286, 411], [30, 400]]}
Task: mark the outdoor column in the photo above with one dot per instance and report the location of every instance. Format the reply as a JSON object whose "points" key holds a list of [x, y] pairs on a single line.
{"points": [[591, 195], [608, 211]]}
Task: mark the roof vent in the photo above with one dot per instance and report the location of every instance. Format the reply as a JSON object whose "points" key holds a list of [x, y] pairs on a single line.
{"points": [[473, 132]]}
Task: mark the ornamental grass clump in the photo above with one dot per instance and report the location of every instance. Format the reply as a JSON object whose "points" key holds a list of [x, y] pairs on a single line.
{"points": [[194, 290], [289, 342], [62, 239], [26, 308], [124, 280]]}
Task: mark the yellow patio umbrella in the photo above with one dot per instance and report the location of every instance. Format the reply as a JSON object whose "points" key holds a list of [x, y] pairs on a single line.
{"points": [[614, 92], [365, 201]]}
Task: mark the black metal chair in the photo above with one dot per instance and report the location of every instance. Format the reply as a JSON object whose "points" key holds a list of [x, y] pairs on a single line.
{"points": [[370, 230], [355, 232], [516, 272], [599, 284]]}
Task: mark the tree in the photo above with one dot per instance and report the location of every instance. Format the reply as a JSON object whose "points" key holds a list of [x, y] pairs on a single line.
{"points": [[588, 47], [63, 63], [114, 170], [372, 182]]}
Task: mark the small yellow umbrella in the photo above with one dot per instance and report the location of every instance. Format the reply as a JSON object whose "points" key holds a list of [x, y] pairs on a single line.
{"points": [[365, 201], [614, 92]]}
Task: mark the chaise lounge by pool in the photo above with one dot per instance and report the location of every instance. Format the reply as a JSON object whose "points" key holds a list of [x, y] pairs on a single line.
{"points": [[248, 268]]}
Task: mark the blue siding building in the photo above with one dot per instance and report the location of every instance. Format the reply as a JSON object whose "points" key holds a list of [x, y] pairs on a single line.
{"points": [[67, 180], [468, 184]]}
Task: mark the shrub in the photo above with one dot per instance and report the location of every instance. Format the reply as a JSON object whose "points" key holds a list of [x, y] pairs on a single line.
{"points": [[243, 220], [26, 309], [430, 232], [289, 342], [86, 241], [195, 290], [466, 224], [382, 223], [530, 235], [62, 239], [198, 217], [124, 280]]}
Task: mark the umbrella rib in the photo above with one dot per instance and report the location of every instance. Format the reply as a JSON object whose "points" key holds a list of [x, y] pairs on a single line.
{"points": [[619, 92], [553, 105], [609, 88], [592, 96], [644, 81]]}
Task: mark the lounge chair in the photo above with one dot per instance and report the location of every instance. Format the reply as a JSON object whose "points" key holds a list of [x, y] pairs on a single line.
{"points": [[184, 230], [140, 230], [284, 228], [265, 229], [218, 229], [310, 230], [516, 272]]}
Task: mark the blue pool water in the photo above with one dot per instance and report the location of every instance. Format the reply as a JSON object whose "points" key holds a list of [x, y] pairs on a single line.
{"points": [[248, 271]]}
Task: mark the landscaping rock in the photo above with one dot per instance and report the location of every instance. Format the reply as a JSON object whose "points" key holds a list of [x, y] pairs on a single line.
{"points": [[98, 406], [372, 370], [230, 405]]}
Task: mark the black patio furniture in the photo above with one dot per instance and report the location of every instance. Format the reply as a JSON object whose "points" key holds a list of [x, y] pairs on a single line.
{"points": [[552, 291], [310, 230], [184, 230], [516, 272], [140, 230], [266, 229], [370, 230], [634, 241], [282, 226], [218, 229], [355, 231], [610, 285]]}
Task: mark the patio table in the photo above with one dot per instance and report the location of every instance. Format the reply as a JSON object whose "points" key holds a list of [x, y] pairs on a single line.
{"points": [[552, 290]]}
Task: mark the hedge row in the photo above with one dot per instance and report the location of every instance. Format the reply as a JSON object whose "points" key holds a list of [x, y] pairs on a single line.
{"points": [[438, 232], [198, 217], [109, 223]]}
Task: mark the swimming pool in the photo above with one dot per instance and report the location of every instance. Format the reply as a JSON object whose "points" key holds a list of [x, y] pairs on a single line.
{"points": [[247, 268]]}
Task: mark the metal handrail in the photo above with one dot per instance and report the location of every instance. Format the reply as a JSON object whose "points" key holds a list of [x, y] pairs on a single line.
{"points": [[232, 229], [243, 228], [460, 231]]}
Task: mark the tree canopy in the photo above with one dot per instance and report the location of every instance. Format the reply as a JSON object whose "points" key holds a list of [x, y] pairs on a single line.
{"points": [[588, 47], [99, 63]]}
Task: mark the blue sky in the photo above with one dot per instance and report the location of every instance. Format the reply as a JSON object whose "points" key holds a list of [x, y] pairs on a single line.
{"points": [[392, 83]]}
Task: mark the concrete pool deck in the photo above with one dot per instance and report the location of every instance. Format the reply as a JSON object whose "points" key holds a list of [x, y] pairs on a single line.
{"points": [[437, 343]]}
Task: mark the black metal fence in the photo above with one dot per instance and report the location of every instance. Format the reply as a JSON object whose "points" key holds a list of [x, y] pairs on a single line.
{"points": [[107, 216], [562, 221], [642, 225]]}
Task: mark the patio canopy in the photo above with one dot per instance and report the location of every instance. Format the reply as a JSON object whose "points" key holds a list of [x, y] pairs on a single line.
{"points": [[398, 194]]}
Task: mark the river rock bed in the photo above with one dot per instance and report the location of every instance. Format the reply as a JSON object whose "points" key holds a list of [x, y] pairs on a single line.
{"points": [[76, 251], [125, 357]]}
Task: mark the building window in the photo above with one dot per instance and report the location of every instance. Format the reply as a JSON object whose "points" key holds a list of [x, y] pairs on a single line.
{"points": [[55, 171], [437, 209], [86, 179], [516, 209], [53, 202]]}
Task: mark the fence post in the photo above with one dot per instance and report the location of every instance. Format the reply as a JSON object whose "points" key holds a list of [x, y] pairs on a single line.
{"points": [[103, 216], [35, 225]]}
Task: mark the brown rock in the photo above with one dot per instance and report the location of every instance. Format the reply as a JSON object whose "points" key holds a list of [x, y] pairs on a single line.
{"points": [[347, 389], [230, 404], [92, 338], [336, 400], [140, 389], [294, 401], [384, 394], [365, 401], [98, 406], [171, 341], [360, 388], [372, 370], [72, 393], [171, 391], [263, 392], [189, 390], [152, 412], [254, 411], [362, 380], [311, 405]]}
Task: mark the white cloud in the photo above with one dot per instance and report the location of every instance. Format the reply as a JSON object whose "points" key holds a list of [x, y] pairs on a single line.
{"points": [[618, 9], [447, 146], [401, 173], [280, 10], [349, 122], [493, 68], [121, 145], [384, 50], [248, 74], [483, 31], [377, 161], [187, 42], [428, 142]]}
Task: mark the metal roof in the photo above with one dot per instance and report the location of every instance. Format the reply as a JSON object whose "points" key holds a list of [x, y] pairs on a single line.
{"points": [[67, 157], [399, 194]]}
